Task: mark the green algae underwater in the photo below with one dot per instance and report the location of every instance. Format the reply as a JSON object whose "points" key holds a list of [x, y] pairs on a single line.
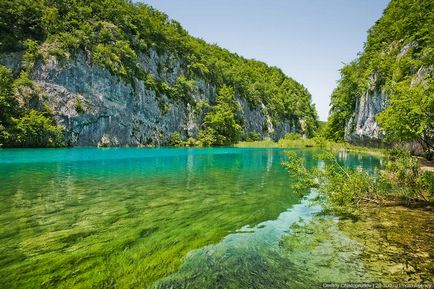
{"points": [[190, 218]]}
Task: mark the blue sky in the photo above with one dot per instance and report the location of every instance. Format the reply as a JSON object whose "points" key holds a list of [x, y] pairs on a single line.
{"points": [[308, 39]]}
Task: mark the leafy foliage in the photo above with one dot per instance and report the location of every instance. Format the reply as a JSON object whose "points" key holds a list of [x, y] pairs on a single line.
{"points": [[21, 126], [254, 136], [8, 103], [175, 139], [34, 129], [343, 100], [297, 170], [397, 60], [79, 108], [345, 189], [221, 126], [410, 115], [292, 136], [20, 20]]}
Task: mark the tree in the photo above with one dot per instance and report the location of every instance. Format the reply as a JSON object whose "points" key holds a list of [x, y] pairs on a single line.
{"points": [[398, 48], [35, 129], [343, 100], [409, 115], [8, 103], [119, 35], [220, 123], [175, 139], [19, 126]]}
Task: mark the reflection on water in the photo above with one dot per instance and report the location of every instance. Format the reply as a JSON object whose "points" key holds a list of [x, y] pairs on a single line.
{"points": [[128, 218]]}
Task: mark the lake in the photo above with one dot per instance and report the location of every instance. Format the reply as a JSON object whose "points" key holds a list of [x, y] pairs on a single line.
{"points": [[165, 218]]}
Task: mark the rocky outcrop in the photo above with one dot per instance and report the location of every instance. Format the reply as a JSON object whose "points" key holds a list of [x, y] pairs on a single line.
{"points": [[362, 128], [97, 108]]}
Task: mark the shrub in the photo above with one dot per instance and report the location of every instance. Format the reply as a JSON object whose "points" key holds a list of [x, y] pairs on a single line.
{"points": [[207, 137], [292, 136], [175, 139], [184, 89], [190, 142], [254, 136], [79, 108], [31, 55], [35, 129], [344, 189], [115, 57], [8, 103]]}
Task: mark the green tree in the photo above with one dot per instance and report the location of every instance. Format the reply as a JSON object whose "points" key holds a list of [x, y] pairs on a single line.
{"points": [[20, 20], [221, 123], [8, 103], [344, 189], [35, 129], [20, 126], [175, 139], [410, 115], [397, 61], [343, 101], [119, 35], [184, 89]]}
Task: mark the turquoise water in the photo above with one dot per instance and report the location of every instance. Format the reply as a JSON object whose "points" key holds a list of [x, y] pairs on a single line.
{"points": [[163, 218]]}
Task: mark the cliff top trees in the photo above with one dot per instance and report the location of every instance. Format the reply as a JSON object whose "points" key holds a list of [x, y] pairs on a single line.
{"points": [[343, 100], [117, 34], [399, 53]]}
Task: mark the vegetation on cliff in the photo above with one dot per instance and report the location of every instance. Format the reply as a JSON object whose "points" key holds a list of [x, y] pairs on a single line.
{"points": [[24, 125], [397, 61], [115, 33]]}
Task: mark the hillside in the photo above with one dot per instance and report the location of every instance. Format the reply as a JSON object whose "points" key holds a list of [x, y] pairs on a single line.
{"points": [[116, 73], [387, 93]]}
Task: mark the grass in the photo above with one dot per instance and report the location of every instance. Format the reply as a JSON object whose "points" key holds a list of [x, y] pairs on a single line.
{"points": [[315, 142], [266, 143]]}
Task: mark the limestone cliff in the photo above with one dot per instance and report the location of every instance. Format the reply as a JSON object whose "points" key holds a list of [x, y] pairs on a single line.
{"points": [[386, 93], [114, 112], [362, 127], [123, 73]]}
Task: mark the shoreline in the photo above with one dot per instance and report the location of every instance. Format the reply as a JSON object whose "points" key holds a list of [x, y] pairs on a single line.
{"points": [[425, 164], [310, 143]]}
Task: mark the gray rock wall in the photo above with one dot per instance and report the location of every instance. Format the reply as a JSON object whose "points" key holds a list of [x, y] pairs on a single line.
{"points": [[100, 109], [362, 128]]}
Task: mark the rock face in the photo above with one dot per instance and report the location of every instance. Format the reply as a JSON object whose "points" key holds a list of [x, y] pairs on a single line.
{"points": [[98, 108], [362, 129]]}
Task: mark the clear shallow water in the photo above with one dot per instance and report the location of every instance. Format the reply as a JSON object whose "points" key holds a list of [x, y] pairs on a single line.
{"points": [[165, 218]]}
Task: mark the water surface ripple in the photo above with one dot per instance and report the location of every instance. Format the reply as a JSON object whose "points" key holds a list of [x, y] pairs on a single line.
{"points": [[134, 218]]}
